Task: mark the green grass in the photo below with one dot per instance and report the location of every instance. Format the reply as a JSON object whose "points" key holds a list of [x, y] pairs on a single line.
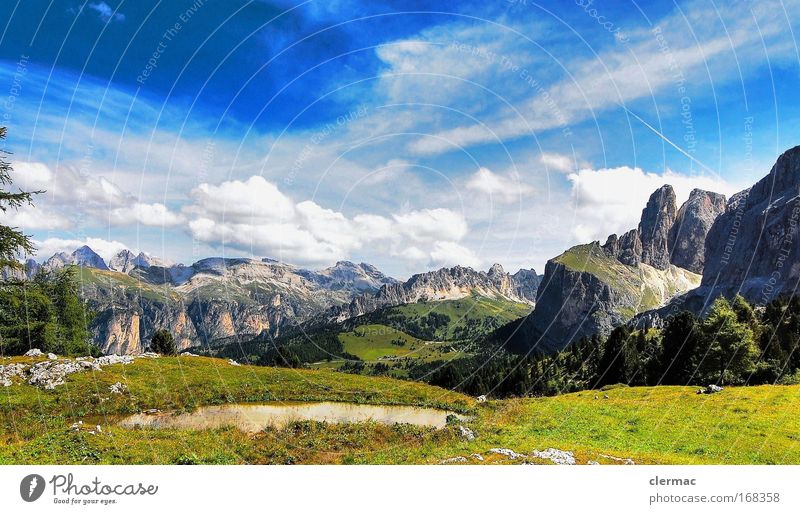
{"points": [[471, 309], [375, 342], [664, 425]]}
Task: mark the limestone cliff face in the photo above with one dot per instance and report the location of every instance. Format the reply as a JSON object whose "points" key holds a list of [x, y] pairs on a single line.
{"points": [[754, 247], [668, 236], [688, 234], [443, 284], [526, 284], [593, 307], [657, 220], [212, 301], [119, 331]]}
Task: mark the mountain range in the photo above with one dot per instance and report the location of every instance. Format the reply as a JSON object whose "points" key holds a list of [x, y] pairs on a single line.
{"points": [[219, 300]]}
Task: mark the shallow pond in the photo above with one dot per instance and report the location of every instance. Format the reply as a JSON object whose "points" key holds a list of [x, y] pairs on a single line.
{"points": [[253, 418]]}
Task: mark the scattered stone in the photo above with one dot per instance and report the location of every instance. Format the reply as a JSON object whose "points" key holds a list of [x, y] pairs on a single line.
{"points": [[10, 371], [49, 374], [477, 456], [555, 456], [107, 360], [593, 463], [150, 355], [118, 388], [605, 397], [710, 389], [189, 354], [151, 412], [505, 451], [98, 429], [33, 352], [626, 461], [466, 433], [52, 356], [481, 398], [454, 460], [233, 362]]}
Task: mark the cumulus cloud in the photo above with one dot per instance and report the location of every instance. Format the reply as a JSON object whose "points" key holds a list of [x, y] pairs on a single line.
{"points": [[102, 247], [265, 221], [70, 191], [610, 200], [501, 188], [148, 214], [32, 218], [449, 253]]}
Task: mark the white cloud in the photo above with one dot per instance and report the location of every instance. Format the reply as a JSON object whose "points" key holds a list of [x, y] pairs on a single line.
{"points": [[67, 184], [266, 222], [448, 253], [428, 225], [560, 162], [104, 248], [148, 214], [610, 200], [498, 187], [70, 191], [33, 218]]}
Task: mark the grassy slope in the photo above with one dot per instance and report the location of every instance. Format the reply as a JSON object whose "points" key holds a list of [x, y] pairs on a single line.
{"points": [[649, 425], [640, 283], [463, 310], [373, 342]]}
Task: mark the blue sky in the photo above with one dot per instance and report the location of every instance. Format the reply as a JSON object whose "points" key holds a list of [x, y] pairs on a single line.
{"points": [[410, 135]]}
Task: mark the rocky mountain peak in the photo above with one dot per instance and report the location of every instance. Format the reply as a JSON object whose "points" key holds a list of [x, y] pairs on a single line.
{"points": [[785, 173], [122, 261], [658, 217], [86, 257], [693, 221], [496, 270]]}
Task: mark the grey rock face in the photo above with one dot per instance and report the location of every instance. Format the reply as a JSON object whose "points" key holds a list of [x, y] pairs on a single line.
{"points": [[627, 249], [347, 276], [125, 261], [84, 257], [87, 258], [572, 304], [654, 228], [753, 248], [526, 283], [443, 284], [688, 234]]}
